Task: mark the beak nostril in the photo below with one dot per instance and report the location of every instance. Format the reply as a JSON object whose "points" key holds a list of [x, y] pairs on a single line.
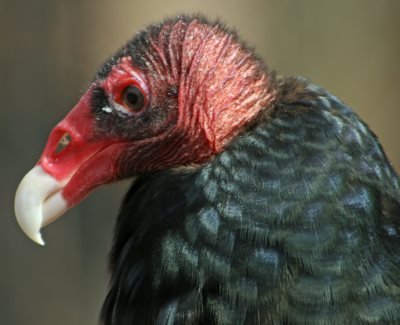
{"points": [[63, 143]]}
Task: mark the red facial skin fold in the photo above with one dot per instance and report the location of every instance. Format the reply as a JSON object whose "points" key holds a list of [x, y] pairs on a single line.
{"points": [[86, 161]]}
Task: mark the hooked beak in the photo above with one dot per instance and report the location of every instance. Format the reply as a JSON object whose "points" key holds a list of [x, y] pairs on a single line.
{"points": [[74, 162], [38, 202]]}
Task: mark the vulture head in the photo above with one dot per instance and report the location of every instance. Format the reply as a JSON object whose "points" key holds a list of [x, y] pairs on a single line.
{"points": [[174, 95]]}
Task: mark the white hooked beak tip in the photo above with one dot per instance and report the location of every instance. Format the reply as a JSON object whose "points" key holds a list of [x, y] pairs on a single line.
{"points": [[38, 202]]}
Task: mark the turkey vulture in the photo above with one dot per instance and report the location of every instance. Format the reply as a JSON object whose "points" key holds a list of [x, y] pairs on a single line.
{"points": [[257, 199]]}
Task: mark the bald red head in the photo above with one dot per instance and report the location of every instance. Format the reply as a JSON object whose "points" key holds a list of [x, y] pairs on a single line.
{"points": [[174, 95]]}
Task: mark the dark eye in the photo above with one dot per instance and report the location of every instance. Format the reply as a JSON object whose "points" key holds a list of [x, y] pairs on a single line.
{"points": [[132, 98]]}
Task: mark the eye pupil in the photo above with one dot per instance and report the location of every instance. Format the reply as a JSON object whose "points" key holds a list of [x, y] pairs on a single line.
{"points": [[132, 98]]}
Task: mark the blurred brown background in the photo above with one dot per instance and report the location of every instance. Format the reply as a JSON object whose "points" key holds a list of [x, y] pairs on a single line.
{"points": [[49, 51]]}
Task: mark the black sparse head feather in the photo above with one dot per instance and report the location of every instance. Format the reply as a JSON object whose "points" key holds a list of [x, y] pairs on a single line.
{"points": [[137, 46]]}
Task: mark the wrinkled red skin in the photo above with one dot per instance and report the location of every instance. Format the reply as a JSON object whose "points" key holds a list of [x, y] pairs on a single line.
{"points": [[220, 89]]}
